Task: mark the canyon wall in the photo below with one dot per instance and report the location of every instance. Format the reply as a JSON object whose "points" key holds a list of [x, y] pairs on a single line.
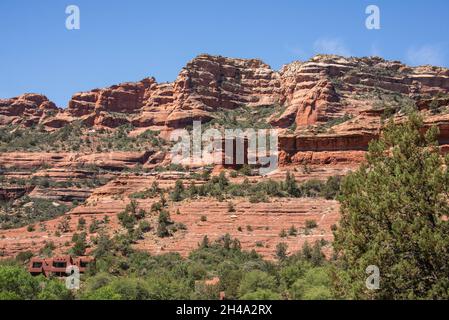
{"points": [[313, 92], [327, 110]]}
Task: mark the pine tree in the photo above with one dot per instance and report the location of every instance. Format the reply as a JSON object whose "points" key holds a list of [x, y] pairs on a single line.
{"points": [[164, 221], [281, 251], [222, 180], [394, 213], [290, 185], [177, 194], [317, 256], [205, 242], [80, 244]]}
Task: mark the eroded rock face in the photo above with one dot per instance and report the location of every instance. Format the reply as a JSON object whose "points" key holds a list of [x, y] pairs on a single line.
{"points": [[313, 92], [123, 98], [329, 87], [209, 83], [61, 194], [30, 160], [8, 193], [351, 94], [265, 219], [328, 109], [108, 160], [27, 109]]}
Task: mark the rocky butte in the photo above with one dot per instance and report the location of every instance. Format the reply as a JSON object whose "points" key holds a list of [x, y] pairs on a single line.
{"points": [[327, 110]]}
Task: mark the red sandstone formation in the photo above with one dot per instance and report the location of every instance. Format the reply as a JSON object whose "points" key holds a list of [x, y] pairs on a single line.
{"points": [[28, 109], [312, 93], [8, 193], [114, 160], [61, 194], [328, 109]]}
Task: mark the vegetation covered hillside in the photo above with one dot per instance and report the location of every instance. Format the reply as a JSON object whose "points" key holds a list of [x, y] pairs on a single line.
{"points": [[394, 217]]}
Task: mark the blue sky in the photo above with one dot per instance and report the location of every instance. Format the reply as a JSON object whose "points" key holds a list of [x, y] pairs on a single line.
{"points": [[129, 40]]}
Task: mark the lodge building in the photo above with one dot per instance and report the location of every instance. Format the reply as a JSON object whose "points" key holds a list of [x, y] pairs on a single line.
{"points": [[57, 266]]}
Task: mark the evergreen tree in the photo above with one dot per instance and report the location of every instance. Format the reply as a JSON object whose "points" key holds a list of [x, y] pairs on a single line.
{"points": [[306, 251], [222, 181], [80, 244], [281, 251], [164, 221], [291, 186], [177, 194], [331, 188], [394, 213], [317, 256], [205, 242]]}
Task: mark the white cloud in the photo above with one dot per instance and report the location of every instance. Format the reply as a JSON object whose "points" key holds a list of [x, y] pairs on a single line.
{"points": [[331, 46], [427, 54]]}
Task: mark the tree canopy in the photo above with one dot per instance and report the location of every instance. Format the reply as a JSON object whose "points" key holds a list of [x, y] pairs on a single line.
{"points": [[394, 215]]}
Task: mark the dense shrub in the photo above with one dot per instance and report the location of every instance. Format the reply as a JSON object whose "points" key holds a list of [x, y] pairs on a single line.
{"points": [[164, 222], [76, 137], [394, 213], [79, 244], [29, 211], [123, 273], [17, 284]]}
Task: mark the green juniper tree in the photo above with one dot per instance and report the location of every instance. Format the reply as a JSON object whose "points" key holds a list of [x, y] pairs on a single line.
{"points": [[177, 194], [290, 185], [79, 244], [281, 251], [394, 212]]}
